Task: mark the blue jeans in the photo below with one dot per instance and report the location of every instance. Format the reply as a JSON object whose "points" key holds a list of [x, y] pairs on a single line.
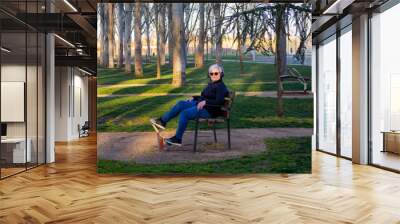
{"points": [[188, 111]]}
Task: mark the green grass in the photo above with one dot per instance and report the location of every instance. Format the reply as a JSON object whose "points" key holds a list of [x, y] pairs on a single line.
{"points": [[287, 155], [254, 72], [132, 113], [233, 79], [195, 88]]}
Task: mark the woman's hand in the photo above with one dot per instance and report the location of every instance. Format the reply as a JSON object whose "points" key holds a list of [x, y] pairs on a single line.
{"points": [[201, 104]]}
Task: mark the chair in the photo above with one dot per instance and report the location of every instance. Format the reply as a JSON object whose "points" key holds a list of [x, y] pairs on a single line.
{"points": [[84, 130], [221, 119]]}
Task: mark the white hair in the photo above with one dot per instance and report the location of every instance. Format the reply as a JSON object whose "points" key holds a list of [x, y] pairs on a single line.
{"points": [[216, 66]]}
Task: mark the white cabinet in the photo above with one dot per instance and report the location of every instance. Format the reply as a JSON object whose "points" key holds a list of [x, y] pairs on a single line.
{"points": [[18, 149]]}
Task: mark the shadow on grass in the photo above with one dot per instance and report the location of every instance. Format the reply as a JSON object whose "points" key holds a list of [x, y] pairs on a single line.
{"points": [[114, 112], [253, 73], [132, 113]]}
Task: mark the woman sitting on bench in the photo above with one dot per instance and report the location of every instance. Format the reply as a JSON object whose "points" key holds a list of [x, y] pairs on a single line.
{"points": [[207, 105]]}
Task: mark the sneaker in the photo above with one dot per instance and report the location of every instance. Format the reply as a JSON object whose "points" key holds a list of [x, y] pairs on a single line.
{"points": [[158, 122], [174, 141]]}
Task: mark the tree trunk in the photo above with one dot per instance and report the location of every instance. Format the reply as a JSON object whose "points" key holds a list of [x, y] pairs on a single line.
{"points": [[239, 46], [300, 52], [138, 40], [105, 35], [178, 32], [157, 25], [199, 57], [110, 35], [170, 39], [281, 66], [148, 52], [185, 24], [212, 31], [100, 38], [121, 23], [207, 53], [240, 57], [217, 33], [206, 30], [162, 31], [127, 39]]}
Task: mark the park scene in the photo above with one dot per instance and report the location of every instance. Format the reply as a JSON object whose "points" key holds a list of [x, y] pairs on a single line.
{"points": [[151, 56]]}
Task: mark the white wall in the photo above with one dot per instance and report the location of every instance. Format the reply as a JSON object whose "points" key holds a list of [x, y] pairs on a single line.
{"points": [[71, 87], [80, 115], [13, 72], [61, 103]]}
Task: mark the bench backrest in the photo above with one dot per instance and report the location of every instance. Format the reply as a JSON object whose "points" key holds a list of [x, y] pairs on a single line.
{"points": [[228, 103], [86, 125]]}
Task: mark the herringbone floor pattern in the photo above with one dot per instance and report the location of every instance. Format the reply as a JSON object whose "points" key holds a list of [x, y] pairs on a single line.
{"points": [[70, 191]]}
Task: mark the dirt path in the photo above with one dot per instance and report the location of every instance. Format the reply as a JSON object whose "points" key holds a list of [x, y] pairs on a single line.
{"points": [[253, 93], [141, 147]]}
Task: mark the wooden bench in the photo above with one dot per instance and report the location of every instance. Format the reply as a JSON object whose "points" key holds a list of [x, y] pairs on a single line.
{"points": [[296, 76]]}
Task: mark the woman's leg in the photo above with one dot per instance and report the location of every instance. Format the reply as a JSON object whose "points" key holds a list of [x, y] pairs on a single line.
{"points": [[186, 115], [175, 110]]}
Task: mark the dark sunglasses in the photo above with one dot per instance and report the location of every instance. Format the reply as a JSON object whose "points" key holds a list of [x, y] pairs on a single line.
{"points": [[214, 73]]}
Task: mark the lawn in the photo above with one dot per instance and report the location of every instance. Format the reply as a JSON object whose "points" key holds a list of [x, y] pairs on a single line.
{"points": [[132, 113], [195, 88], [284, 155], [249, 81]]}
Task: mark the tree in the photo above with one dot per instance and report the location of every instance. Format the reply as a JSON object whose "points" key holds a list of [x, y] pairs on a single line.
{"points": [[302, 22], [106, 54], [162, 32], [110, 32], [138, 40], [260, 20], [219, 13], [211, 28], [148, 18], [170, 39], [240, 46], [207, 29], [98, 35], [179, 62], [190, 21], [121, 26], [240, 34], [281, 63], [127, 34], [103, 35], [199, 57], [157, 25]]}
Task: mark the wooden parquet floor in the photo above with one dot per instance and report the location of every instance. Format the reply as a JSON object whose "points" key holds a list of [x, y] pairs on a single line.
{"points": [[70, 191]]}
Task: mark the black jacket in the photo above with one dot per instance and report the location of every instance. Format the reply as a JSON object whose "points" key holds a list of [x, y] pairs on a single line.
{"points": [[214, 95]]}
